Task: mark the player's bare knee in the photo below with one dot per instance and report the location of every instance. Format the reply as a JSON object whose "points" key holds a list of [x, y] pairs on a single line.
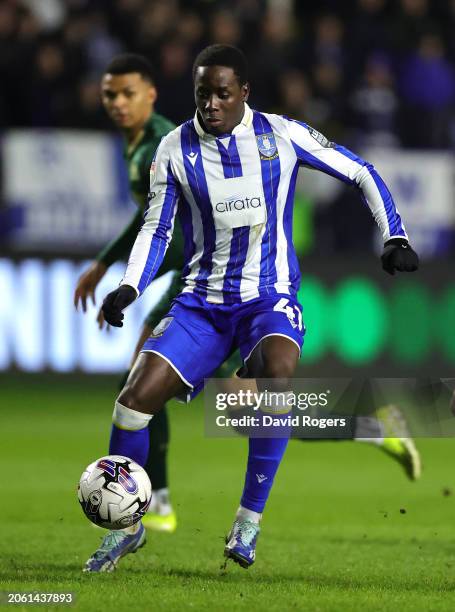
{"points": [[132, 398], [127, 398], [280, 369]]}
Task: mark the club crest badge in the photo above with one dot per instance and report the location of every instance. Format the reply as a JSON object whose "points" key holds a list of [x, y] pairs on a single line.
{"points": [[161, 327], [267, 146]]}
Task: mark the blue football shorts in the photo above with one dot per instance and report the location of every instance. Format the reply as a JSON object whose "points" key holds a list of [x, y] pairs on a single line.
{"points": [[196, 337]]}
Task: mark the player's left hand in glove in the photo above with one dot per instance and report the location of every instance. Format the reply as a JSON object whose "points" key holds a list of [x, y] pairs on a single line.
{"points": [[115, 302], [398, 255]]}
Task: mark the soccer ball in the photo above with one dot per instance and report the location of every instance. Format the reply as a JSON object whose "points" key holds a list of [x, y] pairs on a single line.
{"points": [[114, 492]]}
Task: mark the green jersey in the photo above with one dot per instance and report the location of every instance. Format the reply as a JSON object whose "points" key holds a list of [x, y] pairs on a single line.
{"points": [[139, 156]]}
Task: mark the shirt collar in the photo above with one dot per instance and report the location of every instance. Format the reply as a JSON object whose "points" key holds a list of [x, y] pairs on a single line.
{"points": [[245, 123]]}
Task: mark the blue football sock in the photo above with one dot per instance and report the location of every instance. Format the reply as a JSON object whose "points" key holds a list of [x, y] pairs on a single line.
{"points": [[132, 444], [264, 457]]}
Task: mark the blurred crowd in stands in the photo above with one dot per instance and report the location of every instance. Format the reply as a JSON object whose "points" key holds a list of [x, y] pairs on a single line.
{"points": [[365, 72]]}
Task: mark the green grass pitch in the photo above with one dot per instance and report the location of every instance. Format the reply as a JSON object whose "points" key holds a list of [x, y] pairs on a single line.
{"points": [[333, 537]]}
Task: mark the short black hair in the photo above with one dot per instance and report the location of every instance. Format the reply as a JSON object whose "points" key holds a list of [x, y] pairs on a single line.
{"points": [[126, 63], [223, 55]]}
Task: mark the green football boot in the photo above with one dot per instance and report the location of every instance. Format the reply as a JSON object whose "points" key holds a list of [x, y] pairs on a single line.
{"points": [[161, 515], [397, 441]]}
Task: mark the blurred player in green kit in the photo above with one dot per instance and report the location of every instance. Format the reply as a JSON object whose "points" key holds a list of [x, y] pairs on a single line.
{"points": [[128, 95]]}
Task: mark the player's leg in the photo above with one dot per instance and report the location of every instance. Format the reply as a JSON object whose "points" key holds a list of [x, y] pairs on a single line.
{"points": [[161, 515], [392, 434], [180, 352], [155, 466], [179, 357], [272, 347], [386, 429], [151, 383]]}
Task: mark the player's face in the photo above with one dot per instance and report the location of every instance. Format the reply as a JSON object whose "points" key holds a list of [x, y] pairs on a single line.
{"points": [[219, 98], [128, 99]]}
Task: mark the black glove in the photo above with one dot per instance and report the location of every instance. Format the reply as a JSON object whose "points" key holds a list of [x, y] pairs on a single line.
{"points": [[399, 255], [115, 302]]}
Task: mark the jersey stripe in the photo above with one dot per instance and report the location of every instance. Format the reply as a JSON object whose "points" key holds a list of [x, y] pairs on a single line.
{"points": [[308, 159], [393, 216], [293, 262], [189, 246], [270, 169], [233, 277], [160, 238], [232, 166], [195, 174]]}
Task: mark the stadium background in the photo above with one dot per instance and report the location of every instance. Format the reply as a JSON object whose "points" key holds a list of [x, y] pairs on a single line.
{"points": [[377, 76], [373, 75]]}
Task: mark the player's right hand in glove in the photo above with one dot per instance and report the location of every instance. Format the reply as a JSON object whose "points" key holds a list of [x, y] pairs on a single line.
{"points": [[398, 255], [115, 302]]}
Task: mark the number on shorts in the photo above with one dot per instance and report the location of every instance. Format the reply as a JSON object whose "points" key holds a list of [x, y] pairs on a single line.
{"points": [[283, 306]]}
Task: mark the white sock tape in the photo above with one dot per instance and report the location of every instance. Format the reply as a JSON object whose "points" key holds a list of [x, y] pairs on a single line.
{"points": [[126, 418]]}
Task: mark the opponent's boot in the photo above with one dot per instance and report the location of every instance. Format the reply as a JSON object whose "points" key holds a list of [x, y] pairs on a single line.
{"points": [[397, 442]]}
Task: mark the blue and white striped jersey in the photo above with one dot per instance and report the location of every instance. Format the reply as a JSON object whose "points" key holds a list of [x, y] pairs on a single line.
{"points": [[234, 196]]}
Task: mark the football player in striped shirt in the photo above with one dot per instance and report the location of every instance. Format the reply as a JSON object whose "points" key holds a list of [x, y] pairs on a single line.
{"points": [[229, 174]]}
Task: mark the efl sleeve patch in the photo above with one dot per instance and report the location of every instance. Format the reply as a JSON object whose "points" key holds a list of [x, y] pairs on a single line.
{"points": [[323, 141]]}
